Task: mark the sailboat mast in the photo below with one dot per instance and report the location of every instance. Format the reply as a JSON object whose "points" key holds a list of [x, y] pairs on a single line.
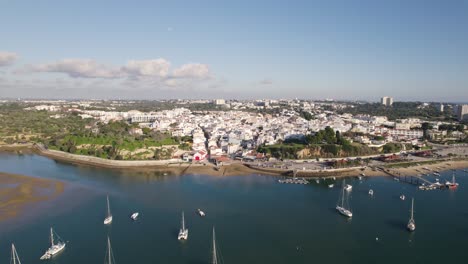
{"points": [[412, 205], [14, 254], [343, 194], [183, 221], [51, 236], [109, 250], [108, 207], [215, 257]]}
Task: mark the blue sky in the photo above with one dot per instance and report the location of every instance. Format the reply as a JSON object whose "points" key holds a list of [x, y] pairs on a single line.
{"points": [[411, 50]]}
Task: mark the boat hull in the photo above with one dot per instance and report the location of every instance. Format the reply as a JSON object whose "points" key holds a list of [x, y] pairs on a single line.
{"points": [[344, 211], [108, 220], [53, 251], [183, 234], [134, 216]]}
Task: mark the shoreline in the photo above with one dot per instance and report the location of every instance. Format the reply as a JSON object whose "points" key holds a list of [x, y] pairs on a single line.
{"points": [[179, 167]]}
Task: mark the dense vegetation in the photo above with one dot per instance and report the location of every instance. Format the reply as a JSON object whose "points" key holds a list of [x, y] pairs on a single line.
{"points": [[324, 143], [112, 139], [70, 133], [400, 110], [17, 125]]}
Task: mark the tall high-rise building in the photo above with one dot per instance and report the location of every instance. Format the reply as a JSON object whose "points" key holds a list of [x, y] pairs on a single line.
{"points": [[462, 112], [441, 107], [388, 101]]}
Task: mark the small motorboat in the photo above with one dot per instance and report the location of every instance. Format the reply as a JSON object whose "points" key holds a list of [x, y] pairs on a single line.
{"points": [[331, 185], [371, 192], [348, 187], [402, 197], [200, 213], [134, 216]]}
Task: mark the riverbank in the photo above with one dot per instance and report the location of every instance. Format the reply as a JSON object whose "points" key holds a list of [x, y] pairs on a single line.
{"points": [[18, 192], [179, 167]]}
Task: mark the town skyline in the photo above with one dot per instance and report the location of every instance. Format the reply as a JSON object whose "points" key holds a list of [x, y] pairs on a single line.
{"points": [[319, 50]]}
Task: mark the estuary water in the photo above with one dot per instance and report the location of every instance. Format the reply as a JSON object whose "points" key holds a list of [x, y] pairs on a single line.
{"points": [[257, 220]]}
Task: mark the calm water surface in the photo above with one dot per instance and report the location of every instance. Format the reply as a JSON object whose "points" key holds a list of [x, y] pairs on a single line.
{"points": [[257, 220]]}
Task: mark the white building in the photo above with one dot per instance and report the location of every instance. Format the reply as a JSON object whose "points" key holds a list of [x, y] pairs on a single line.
{"points": [[462, 112], [388, 101], [219, 102]]}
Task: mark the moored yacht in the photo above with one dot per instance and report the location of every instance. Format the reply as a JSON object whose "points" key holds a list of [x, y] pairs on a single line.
{"points": [[200, 212], [348, 187], [183, 232], [108, 219], [134, 216], [341, 206], [411, 223], [54, 249], [452, 185], [371, 192], [402, 197]]}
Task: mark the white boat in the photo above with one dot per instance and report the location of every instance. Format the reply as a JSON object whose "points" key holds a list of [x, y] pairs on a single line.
{"points": [[200, 213], [331, 185], [341, 207], [134, 216], [14, 255], [54, 248], [402, 197], [109, 258], [183, 232], [411, 224], [214, 256], [348, 187], [108, 219], [317, 181], [371, 192]]}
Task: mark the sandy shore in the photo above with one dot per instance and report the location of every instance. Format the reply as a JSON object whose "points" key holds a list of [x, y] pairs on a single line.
{"points": [[17, 192], [436, 166]]}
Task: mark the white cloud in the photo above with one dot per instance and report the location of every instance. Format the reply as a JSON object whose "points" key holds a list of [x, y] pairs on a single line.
{"points": [[84, 68], [156, 68], [192, 70], [7, 58]]}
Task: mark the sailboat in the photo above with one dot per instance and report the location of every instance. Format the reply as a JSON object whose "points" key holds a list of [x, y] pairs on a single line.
{"points": [[14, 255], [108, 218], [109, 258], [452, 185], [183, 232], [54, 248], [341, 207], [411, 224], [215, 258]]}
